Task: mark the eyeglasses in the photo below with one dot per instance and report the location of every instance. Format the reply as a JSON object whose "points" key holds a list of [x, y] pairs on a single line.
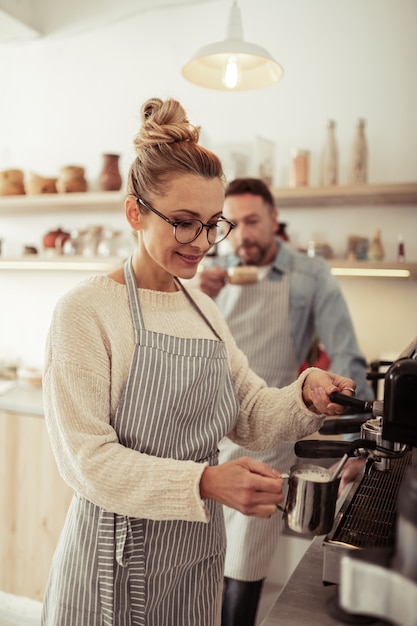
{"points": [[186, 231]]}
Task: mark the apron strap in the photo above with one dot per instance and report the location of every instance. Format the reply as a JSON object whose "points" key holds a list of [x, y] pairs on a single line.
{"points": [[132, 289], [134, 300], [197, 308]]}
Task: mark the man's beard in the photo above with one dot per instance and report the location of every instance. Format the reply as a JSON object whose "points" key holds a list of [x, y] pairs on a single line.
{"points": [[255, 258]]}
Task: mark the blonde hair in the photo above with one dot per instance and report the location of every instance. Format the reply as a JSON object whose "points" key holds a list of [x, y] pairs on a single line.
{"points": [[167, 145]]}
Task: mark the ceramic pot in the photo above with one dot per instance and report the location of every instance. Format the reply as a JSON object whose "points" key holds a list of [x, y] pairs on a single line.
{"points": [[12, 183], [39, 184], [54, 240], [71, 179], [110, 178]]}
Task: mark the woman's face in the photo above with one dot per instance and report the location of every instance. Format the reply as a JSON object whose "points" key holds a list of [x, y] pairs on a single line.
{"points": [[159, 256]]}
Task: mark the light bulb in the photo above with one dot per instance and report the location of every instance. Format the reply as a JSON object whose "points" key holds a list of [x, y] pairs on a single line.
{"points": [[231, 73]]}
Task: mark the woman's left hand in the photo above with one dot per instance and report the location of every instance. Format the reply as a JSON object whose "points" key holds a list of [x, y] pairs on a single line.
{"points": [[317, 387]]}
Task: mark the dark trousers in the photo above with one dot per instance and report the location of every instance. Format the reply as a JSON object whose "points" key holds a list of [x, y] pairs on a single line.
{"points": [[240, 602]]}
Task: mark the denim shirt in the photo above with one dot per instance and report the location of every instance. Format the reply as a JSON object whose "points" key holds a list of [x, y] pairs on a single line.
{"points": [[317, 306]]}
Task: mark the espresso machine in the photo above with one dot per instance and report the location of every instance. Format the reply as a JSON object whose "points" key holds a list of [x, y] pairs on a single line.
{"points": [[371, 551]]}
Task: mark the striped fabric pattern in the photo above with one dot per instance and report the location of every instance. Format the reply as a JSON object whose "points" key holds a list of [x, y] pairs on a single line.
{"points": [[258, 316], [110, 569]]}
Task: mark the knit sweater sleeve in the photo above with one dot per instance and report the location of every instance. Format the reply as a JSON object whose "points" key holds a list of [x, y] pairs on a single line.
{"points": [[78, 404], [89, 348]]}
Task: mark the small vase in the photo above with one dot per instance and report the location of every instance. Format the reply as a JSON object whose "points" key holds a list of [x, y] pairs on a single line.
{"points": [[71, 179], [110, 178], [359, 161], [376, 249]]}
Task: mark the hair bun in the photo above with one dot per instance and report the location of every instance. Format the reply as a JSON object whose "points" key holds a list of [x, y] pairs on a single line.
{"points": [[166, 147], [164, 122]]}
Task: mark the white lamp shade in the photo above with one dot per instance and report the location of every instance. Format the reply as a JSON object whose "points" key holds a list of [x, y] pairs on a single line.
{"points": [[257, 68], [233, 64]]}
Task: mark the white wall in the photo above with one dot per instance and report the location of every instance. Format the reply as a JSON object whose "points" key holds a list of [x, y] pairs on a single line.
{"points": [[71, 96]]}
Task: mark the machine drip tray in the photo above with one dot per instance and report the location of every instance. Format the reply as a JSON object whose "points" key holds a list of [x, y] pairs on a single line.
{"points": [[367, 517]]}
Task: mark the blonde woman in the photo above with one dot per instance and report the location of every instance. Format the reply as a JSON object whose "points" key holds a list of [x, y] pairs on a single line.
{"points": [[142, 381]]}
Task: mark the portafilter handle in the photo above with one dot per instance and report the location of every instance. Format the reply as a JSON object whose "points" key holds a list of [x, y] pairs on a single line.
{"points": [[360, 406], [341, 425], [322, 449]]}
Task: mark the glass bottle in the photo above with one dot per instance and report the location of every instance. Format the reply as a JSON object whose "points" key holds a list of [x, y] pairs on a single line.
{"points": [[376, 249], [358, 174], [330, 157], [401, 250]]}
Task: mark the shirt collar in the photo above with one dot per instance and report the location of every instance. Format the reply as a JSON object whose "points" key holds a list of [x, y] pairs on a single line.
{"points": [[282, 261]]}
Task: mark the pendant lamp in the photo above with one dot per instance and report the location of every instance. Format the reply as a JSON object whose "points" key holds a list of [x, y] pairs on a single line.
{"points": [[233, 64]]}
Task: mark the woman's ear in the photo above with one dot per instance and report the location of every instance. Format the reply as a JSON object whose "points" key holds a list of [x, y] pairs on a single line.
{"points": [[133, 214]]}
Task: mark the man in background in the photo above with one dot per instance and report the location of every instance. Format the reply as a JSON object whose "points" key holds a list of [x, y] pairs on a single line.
{"points": [[274, 322]]}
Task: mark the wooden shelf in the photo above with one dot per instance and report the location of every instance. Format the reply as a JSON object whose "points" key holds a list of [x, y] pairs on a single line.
{"points": [[366, 269], [339, 195], [357, 195], [339, 267], [49, 202], [61, 263]]}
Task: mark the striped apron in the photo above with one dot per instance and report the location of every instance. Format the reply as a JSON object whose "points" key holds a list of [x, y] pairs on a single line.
{"points": [[264, 308], [112, 570]]}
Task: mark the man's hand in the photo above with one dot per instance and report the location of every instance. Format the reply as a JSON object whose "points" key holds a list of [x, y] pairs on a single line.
{"points": [[211, 280]]}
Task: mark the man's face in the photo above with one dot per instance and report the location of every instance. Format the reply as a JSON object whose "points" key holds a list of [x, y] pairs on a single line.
{"points": [[253, 239]]}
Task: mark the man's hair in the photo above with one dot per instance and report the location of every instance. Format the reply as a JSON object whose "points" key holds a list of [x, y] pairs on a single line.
{"points": [[254, 186]]}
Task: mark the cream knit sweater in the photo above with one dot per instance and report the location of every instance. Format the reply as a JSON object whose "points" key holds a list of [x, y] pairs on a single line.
{"points": [[89, 348]]}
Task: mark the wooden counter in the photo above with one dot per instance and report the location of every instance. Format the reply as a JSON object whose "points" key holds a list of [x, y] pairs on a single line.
{"points": [[33, 497], [23, 400]]}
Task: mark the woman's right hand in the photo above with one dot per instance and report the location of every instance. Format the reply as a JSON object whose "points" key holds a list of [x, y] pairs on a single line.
{"points": [[211, 280], [249, 486]]}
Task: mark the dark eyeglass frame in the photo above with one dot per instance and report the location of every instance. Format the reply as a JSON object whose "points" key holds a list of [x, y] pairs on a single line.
{"points": [[209, 227]]}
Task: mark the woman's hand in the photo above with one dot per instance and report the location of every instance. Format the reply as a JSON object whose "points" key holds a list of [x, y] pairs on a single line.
{"points": [[249, 486], [317, 387]]}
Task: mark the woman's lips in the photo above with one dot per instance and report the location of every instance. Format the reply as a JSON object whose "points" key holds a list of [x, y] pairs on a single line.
{"points": [[190, 259]]}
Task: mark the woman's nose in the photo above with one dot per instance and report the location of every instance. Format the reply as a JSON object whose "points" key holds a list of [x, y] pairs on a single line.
{"points": [[202, 240]]}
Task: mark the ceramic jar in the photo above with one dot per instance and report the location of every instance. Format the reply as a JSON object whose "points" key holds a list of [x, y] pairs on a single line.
{"points": [[71, 179], [54, 240], [12, 183], [39, 184], [110, 178], [299, 168]]}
